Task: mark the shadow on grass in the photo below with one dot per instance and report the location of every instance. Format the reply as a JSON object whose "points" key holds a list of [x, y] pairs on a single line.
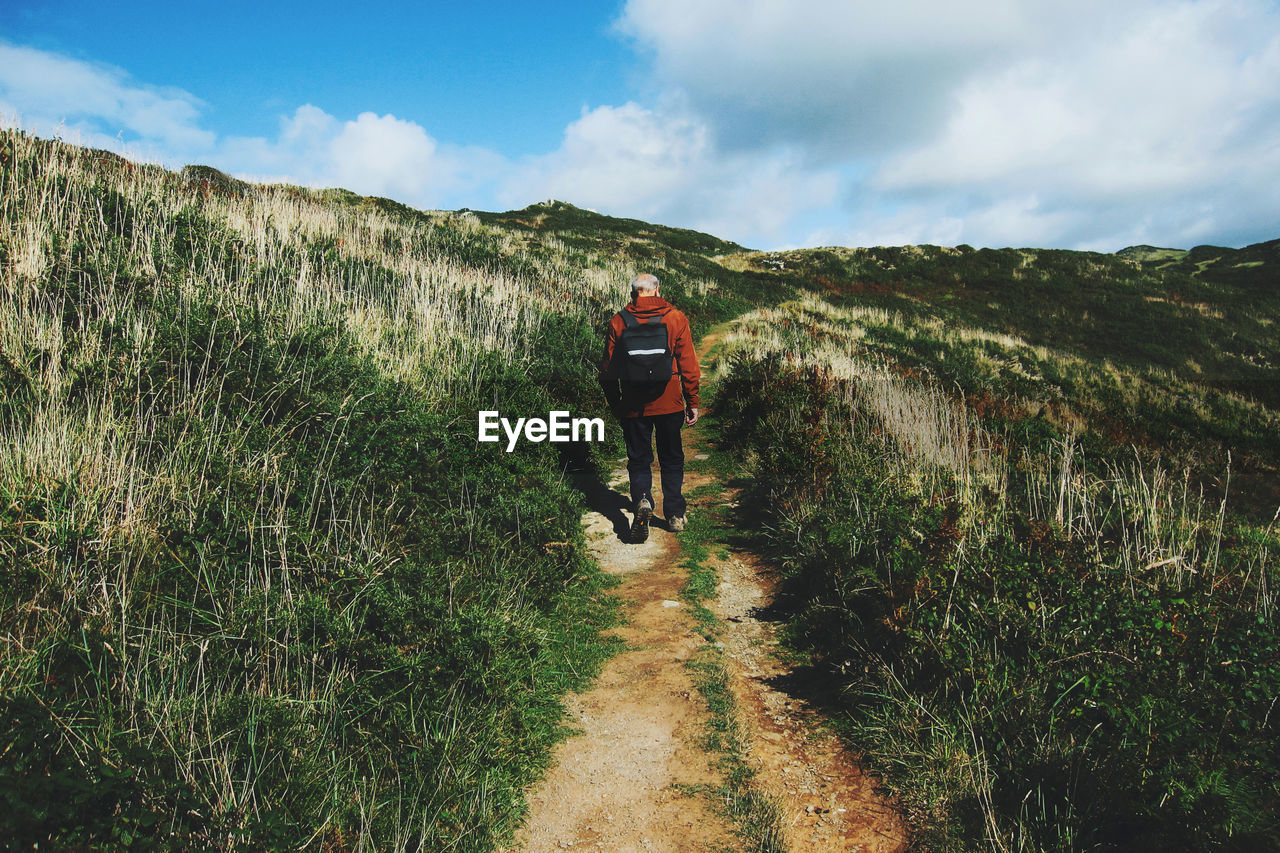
{"points": [[813, 685]]}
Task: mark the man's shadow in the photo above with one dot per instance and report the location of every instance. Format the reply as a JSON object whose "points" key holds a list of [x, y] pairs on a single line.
{"points": [[575, 461]]}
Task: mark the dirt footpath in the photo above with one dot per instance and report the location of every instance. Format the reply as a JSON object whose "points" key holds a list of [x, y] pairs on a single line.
{"points": [[636, 777], [623, 783]]}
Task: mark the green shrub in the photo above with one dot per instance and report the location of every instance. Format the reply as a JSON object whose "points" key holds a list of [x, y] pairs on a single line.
{"points": [[1096, 705]]}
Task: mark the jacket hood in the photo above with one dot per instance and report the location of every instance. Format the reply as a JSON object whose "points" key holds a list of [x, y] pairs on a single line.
{"points": [[648, 307]]}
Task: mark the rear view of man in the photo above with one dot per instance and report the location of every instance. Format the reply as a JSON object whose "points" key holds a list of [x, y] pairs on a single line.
{"points": [[651, 383]]}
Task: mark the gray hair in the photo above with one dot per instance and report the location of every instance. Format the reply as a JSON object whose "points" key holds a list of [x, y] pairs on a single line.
{"points": [[643, 283]]}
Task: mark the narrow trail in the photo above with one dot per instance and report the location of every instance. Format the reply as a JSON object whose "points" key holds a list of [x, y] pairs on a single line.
{"points": [[620, 785], [635, 777], [828, 803]]}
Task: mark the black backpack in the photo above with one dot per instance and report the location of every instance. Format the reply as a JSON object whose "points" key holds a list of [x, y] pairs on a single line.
{"points": [[646, 357]]}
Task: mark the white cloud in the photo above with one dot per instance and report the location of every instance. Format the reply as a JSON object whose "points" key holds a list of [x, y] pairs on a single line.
{"points": [[97, 101], [834, 75], [1079, 123], [1161, 106], [370, 155], [611, 157], [383, 154], [103, 107], [664, 165]]}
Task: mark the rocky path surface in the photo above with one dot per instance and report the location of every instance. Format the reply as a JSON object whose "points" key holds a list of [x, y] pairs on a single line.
{"points": [[635, 777]]}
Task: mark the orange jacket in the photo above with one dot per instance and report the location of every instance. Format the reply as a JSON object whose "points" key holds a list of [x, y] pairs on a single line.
{"points": [[629, 401]]}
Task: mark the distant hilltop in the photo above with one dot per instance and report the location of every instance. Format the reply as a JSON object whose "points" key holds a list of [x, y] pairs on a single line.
{"points": [[1255, 264]]}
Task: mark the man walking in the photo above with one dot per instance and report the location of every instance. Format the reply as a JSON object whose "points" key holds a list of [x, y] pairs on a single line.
{"points": [[651, 383]]}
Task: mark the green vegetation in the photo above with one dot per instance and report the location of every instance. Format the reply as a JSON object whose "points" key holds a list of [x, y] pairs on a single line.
{"points": [[1045, 636], [688, 263], [260, 586], [589, 228], [1252, 267], [1183, 367], [756, 817], [1094, 305], [1152, 255], [1027, 502]]}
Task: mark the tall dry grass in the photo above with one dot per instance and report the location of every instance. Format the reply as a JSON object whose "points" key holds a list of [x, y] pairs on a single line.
{"points": [[129, 296], [937, 438], [958, 538]]}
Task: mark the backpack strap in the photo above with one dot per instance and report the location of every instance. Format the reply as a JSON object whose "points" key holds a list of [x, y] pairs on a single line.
{"points": [[629, 319]]}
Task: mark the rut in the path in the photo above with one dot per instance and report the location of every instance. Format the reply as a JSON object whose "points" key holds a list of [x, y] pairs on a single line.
{"points": [[827, 802]]}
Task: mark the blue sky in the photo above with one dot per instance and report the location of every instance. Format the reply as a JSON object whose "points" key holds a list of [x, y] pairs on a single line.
{"points": [[504, 75], [1083, 124]]}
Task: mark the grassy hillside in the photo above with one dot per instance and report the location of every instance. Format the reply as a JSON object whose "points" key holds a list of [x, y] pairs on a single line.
{"points": [[1025, 506], [590, 228], [692, 277], [260, 586], [1202, 327], [1182, 366], [1254, 266]]}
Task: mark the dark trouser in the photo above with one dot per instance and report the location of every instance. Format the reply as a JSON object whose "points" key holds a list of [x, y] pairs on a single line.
{"points": [[638, 434]]}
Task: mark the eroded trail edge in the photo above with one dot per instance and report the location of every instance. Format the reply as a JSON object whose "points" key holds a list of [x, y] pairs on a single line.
{"points": [[827, 802]]}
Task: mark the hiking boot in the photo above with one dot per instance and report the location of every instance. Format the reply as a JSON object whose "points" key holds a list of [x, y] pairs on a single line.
{"points": [[677, 523], [640, 526]]}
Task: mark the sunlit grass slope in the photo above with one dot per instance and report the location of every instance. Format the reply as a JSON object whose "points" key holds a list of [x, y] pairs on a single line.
{"points": [[1185, 367], [259, 585], [1020, 550], [261, 588]]}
